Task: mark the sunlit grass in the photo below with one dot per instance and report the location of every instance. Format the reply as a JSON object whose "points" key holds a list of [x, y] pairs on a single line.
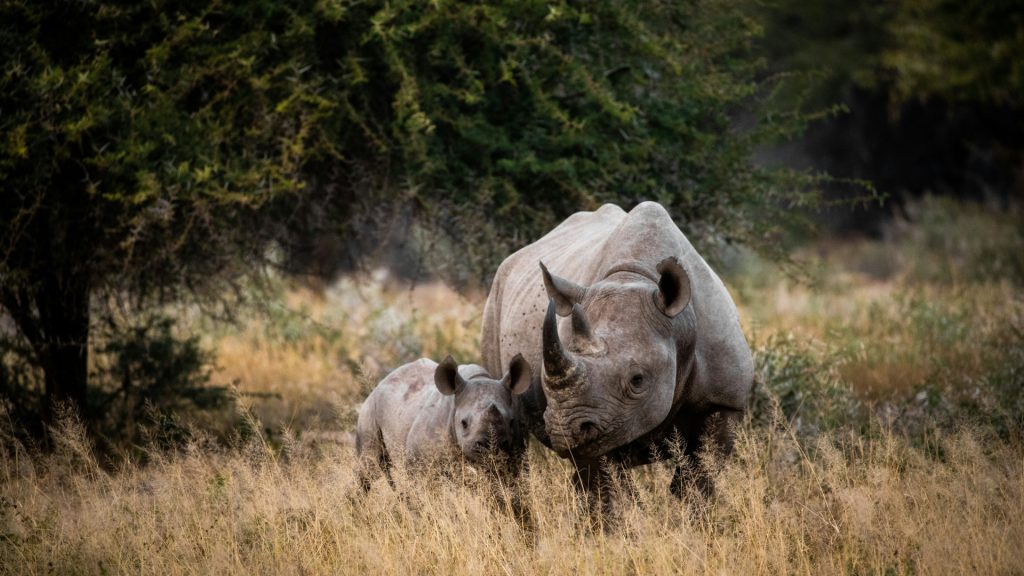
{"points": [[865, 504]]}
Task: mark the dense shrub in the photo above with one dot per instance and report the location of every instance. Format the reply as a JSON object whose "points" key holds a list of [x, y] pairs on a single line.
{"points": [[803, 382], [146, 374]]}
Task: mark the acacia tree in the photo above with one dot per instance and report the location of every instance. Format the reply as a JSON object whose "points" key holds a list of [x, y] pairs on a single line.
{"points": [[147, 148], [154, 148]]}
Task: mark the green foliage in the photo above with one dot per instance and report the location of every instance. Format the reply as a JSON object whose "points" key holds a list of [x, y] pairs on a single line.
{"points": [[513, 115], [804, 382], [937, 345], [837, 41], [148, 356], [973, 365], [146, 380], [144, 138], [955, 51], [954, 242], [171, 126], [146, 373], [943, 366], [150, 149]]}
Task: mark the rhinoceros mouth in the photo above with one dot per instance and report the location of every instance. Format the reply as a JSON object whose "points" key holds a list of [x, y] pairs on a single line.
{"points": [[587, 450]]}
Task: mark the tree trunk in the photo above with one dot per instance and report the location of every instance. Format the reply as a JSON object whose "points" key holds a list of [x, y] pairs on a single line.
{"points": [[63, 305]]}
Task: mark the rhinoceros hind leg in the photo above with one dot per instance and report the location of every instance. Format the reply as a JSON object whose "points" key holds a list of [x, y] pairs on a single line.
{"points": [[373, 459]]}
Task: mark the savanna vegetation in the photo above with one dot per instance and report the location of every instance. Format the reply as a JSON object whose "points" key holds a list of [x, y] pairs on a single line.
{"points": [[221, 223], [885, 436]]}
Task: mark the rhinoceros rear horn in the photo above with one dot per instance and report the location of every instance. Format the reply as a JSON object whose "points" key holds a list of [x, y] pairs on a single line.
{"points": [[561, 368], [565, 292], [447, 377], [583, 338], [673, 287]]}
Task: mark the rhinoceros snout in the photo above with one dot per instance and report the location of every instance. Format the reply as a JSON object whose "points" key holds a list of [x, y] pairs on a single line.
{"points": [[569, 437]]}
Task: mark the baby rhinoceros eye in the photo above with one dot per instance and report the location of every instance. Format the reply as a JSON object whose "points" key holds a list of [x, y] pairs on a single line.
{"points": [[465, 424]]}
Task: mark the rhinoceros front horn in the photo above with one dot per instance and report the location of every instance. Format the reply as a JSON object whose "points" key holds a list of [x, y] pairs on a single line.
{"points": [[561, 369]]}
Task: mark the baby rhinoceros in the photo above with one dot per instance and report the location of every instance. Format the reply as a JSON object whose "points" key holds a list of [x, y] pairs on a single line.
{"points": [[427, 414]]}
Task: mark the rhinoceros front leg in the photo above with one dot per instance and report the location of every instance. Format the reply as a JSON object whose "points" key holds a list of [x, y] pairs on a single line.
{"points": [[709, 441], [602, 484]]}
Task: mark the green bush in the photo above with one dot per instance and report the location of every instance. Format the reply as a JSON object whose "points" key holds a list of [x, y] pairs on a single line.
{"points": [[148, 376], [804, 383]]}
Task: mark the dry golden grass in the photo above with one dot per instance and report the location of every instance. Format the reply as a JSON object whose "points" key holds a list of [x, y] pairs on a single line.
{"points": [[854, 506], [836, 503], [320, 353], [894, 334]]}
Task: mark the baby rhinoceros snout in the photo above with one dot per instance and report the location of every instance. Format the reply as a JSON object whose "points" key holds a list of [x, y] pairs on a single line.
{"points": [[495, 437]]}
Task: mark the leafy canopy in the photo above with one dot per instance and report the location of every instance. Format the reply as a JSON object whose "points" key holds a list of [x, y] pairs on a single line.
{"points": [[169, 131]]}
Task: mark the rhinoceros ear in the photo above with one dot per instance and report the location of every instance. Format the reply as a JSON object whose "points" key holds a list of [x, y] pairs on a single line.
{"points": [[673, 287], [565, 292], [447, 378], [519, 375]]}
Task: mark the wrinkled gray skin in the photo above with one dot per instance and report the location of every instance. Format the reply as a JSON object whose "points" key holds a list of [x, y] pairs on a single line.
{"points": [[429, 413], [639, 340]]}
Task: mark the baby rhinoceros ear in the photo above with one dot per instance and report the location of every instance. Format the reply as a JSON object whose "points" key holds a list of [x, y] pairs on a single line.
{"points": [[519, 375], [447, 377]]}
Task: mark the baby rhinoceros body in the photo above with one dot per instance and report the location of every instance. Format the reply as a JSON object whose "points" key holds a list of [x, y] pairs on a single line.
{"points": [[427, 413]]}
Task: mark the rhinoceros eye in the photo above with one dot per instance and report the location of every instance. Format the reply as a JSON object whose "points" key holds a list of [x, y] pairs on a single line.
{"points": [[465, 423], [636, 383]]}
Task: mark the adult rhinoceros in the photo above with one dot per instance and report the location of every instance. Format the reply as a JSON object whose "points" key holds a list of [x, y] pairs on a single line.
{"points": [[649, 347]]}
